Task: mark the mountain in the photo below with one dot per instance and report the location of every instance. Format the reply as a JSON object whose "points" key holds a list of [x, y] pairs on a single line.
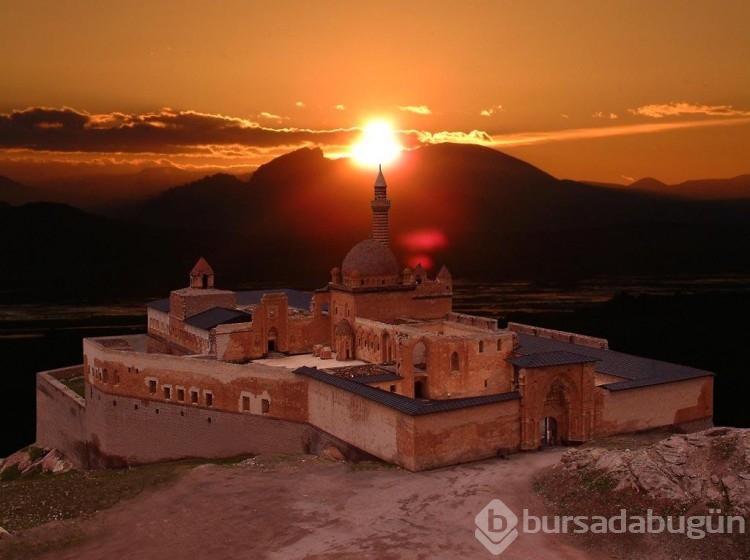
{"points": [[15, 193], [54, 252], [481, 212], [461, 189], [700, 189], [101, 191]]}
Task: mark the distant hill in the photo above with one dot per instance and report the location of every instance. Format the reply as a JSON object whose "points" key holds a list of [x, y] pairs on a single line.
{"points": [[15, 193], [295, 218], [701, 189], [53, 252], [103, 191]]}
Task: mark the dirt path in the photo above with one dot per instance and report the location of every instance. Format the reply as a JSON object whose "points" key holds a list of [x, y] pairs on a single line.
{"points": [[314, 510]]}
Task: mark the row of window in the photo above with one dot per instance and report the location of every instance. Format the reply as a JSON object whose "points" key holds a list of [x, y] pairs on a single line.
{"points": [[101, 374], [265, 405], [178, 393]]}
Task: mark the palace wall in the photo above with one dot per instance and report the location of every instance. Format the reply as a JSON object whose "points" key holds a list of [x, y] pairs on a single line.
{"points": [[655, 406], [466, 434], [194, 381], [60, 413], [387, 306], [415, 442], [111, 431], [366, 424]]}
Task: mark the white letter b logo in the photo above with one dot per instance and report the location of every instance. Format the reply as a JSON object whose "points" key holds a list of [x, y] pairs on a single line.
{"points": [[496, 527]]}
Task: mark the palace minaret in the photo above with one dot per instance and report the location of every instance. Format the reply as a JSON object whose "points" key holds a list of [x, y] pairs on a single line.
{"points": [[380, 206]]}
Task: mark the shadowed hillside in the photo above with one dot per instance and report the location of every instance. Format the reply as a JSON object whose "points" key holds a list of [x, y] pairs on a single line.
{"points": [[479, 211]]}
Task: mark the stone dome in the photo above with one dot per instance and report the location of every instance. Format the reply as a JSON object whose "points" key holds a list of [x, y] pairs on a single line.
{"points": [[370, 258]]}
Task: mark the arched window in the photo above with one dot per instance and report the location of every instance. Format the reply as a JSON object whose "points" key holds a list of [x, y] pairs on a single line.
{"points": [[454, 361]]}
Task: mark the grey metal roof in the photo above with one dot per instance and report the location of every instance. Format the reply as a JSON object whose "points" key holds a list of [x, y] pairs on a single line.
{"points": [[217, 316], [412, 407], [159, 305], [379, 378], [554, 358], [636, 371], [296, 299]]}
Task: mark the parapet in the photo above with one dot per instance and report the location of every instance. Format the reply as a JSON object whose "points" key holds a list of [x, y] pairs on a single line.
{"points": [[562, 336]]}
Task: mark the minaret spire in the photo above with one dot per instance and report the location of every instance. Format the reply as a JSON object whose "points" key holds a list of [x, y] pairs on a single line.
{"points": [[380, 206]]}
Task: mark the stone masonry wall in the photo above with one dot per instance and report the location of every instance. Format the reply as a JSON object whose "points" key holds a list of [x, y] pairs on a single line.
{"points": [[655, 406], [60, 414], [107, 430]]}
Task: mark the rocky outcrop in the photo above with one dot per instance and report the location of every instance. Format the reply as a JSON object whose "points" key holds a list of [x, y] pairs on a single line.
{"points": [[332, 453], [711, 467], [34, 460]]}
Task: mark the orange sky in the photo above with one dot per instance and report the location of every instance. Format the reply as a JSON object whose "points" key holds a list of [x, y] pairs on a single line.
{"points": [[594, 90]]}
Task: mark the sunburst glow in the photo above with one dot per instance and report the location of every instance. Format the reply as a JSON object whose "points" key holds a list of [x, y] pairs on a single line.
{"points": [[377, 145]]}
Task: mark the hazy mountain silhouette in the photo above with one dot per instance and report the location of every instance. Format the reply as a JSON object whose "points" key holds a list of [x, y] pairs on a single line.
{"points": [[703, 189], [460, 189], [297, 215], [102, 191], [16, 193]]}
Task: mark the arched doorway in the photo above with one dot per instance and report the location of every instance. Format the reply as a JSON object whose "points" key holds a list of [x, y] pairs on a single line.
{"points": [[548, 432], [553, 428], [419, 390], [272, 334]]}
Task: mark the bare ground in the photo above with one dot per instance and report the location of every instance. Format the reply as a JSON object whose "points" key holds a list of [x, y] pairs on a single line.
{"points": [[305, 508]]}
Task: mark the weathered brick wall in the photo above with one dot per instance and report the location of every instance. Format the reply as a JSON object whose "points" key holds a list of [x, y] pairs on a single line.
{"points": [[655, 406], [414, 442], [234, 342], [147, 376], [130, 431], [387, 306], [109, 430], [60, 413], [365, 424], [467, 434], [187, 302], [562, 336]]}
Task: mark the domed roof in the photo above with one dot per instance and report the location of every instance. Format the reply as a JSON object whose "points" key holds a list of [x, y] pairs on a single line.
{"points": [[370, 258]]}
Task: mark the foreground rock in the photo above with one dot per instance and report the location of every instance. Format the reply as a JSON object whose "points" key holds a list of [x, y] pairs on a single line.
{"points": [[34, 460], [709, 468]]}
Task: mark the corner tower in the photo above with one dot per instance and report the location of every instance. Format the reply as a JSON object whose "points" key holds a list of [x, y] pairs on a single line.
{"points": [[380, 207]]}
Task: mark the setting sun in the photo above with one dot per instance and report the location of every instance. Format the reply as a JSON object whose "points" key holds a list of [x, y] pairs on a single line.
{"points": [[377, 145]]}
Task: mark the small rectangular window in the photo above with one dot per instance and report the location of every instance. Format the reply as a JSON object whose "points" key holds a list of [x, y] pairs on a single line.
{"points": [[265, 404], [152, 386], [245, 403], [209, 399], [167, 393], [393, 388], [180, 394], [194, 397]]}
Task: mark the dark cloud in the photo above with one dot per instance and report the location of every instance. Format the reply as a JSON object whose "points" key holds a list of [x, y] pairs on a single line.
{"points": [[168, 131]]}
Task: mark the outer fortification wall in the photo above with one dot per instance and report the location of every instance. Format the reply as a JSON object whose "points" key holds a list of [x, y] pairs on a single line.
{"points": [[60, 414], [108, 430]]}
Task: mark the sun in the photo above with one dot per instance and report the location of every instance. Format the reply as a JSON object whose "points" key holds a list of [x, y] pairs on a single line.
{"points": [[378, 144]]}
